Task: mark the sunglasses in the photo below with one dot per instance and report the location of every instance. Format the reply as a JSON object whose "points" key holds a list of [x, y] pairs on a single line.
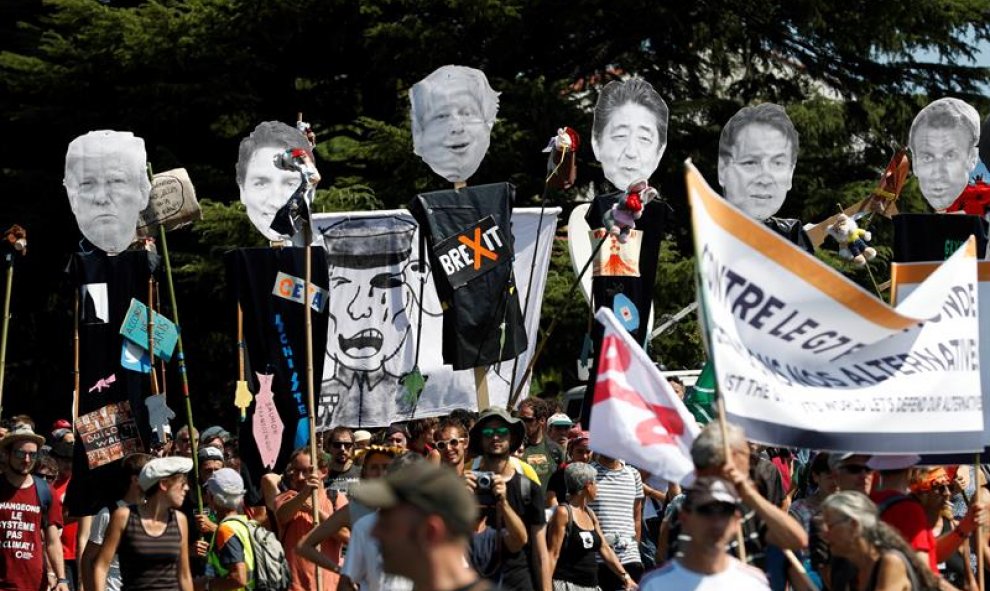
{"points": [[493, 431], [716, 510], [940, 488], [48, 477], [20, 454], [453, 443], [527, 419], [399, 439], [855, 469], [342, 444]]}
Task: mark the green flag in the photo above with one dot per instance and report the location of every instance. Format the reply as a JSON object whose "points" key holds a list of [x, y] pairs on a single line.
{"points": [[700, 398]]}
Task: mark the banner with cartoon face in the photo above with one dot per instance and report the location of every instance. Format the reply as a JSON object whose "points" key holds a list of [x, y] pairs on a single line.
{"points": [[374, 309]]}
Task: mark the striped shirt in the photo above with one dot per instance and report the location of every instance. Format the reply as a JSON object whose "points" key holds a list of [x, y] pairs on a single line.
{"points": [[614, 505]]}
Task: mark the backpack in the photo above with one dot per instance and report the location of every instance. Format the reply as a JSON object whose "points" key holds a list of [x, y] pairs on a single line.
{"points": [[44, 499], [271, 569]]}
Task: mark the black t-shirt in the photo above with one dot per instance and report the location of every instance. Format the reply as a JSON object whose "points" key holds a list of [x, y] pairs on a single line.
{"points": [[517, 574], [340, 482], [483, 553], [558, 484]]}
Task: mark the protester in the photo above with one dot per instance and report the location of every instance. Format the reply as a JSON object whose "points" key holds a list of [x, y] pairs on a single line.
{"points": [[575, 539], [29, 507], [150, 540], [343, 471], [131, 467], [184, 443], [879, 553], [618, 505], [425, 519], [451, 441], [897, 508], [362, 439], [489, 543], [215, 436], [421, 438], [558, 427], [933, 489], [397, 436], [577, 451], [807, 511], [544, 455], [230, 556], [362, 566], [491, 441], [211, 459], [61, 452], [294, 514], [46, 467], [710, 517]]}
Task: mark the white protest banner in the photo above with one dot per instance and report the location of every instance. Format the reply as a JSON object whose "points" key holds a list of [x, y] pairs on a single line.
{"points": [[374, 309], [806, 358], [636, 415]]}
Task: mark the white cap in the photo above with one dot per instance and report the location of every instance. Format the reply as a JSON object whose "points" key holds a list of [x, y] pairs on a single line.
{"points": [[560, 420], [160, 468], [362, 435]]}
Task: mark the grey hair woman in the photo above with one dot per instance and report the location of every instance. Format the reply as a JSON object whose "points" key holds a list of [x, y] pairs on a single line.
{"points": [[575, 538], [882, 557]]}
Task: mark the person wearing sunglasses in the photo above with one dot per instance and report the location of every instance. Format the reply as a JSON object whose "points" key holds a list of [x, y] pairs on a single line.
{"points": [[710, 516], [22, 509], [343, 470], [933, 489], [451, 441], [897, 508], [491, 442], [540, 452]]}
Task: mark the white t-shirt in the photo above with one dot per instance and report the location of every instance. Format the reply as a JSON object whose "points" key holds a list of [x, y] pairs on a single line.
{"points": [[363, 563], [738, 577], [96, 533]]}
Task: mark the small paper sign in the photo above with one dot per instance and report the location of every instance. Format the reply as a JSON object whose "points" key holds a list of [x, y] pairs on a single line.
{"points": [[108, 434], [267, 425], [473, 252], [291, 288], [135, 329], [172, 203]]}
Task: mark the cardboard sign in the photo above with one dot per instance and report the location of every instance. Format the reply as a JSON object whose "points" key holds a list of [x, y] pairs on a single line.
{"points": [[135, 329], [291, 288], [473, 252], [172, 204], [108, 434]]}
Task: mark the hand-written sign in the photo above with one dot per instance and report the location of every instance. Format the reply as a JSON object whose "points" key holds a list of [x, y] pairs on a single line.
{"points": [[266, 423], [135, 329], [473, 252], [172, 204], [108, 434], [291, 288]]}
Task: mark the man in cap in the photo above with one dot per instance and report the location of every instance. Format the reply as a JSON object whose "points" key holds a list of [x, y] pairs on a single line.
{"points": [[425, 519], [900, 510], [214, 436], [229, 555], [30, 518], [210, 460], [577, 451], [492, 441], [558, 428], [540, 452], [710, 516], [362, 439], [371, 275]]}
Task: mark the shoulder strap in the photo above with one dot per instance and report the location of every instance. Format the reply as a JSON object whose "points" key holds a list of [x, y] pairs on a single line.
{"points": [[44, 493], [890, 502], [242, 530], [570, 520]]}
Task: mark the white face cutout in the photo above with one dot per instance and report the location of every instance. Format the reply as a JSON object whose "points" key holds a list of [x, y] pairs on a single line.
{"points": [[758, 174], [943, 159], [629, 146], [108, 187], [266, 189], [453, 114]]}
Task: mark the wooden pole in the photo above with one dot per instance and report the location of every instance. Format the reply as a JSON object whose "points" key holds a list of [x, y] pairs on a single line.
{"points": [[727, 452], [151, 335], [801, 572], [981, 537], [75, 359], [6, 323], [310, 390]]}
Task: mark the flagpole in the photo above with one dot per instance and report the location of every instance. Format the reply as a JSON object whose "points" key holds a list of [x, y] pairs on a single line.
{"points": [[75, 359], [980, 533]]}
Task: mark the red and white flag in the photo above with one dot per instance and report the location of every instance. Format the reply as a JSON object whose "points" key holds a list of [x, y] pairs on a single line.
{"points": [[636, 416]]}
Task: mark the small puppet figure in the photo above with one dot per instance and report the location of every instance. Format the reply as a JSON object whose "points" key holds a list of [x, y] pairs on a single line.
{"points": [[621, 219], [852, 240], [562, 163]]}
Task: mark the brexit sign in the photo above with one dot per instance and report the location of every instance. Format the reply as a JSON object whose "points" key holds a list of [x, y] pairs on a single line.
{"points": [[473, 252]]}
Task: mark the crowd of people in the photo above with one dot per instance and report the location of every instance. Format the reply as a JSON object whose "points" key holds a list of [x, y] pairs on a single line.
{"points": [[495, 500]]}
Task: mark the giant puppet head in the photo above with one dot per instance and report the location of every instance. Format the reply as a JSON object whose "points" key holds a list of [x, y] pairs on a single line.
{"points": [[943, 142], [453, 112], [107, 182], [264, 187], [757, 153], [629, 133]]}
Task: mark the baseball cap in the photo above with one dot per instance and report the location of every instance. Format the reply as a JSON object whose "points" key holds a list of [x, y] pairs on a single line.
{"points": [[893, 462], [560, 420], [215, 431], [208, 452], [160, 468], [226, 481], [361, 435], [710, 489], [575, 439], [434, 489]]}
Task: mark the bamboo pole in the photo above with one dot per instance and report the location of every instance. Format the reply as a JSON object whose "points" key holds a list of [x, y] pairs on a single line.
{"points": [[981, 536], [76, 395], [6, 324], [727, 451]]}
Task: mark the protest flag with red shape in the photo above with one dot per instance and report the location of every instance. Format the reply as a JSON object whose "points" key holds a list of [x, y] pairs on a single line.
{"points": [[635, 414]]}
